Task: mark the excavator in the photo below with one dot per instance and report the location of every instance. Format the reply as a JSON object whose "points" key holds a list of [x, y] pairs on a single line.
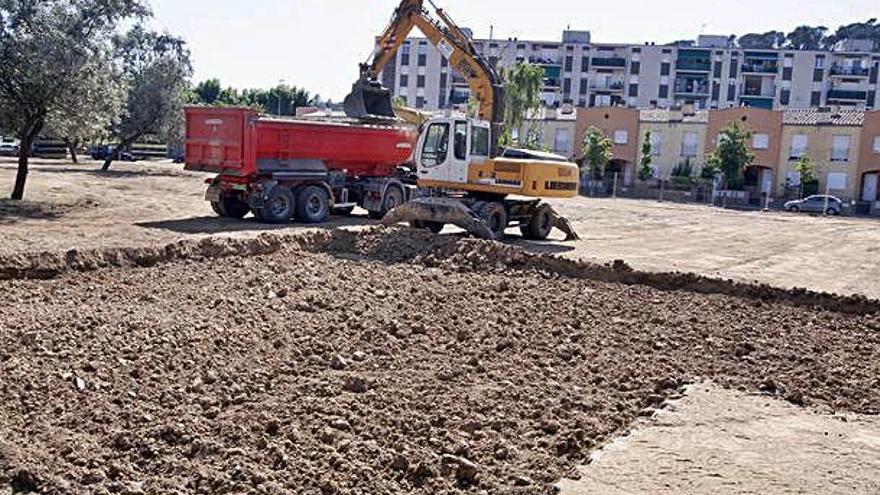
{"points": [[464, 177]]}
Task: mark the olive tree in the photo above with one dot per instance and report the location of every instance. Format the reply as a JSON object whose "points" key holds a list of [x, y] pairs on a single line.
{"points": [[45, 48], [154, 68]]}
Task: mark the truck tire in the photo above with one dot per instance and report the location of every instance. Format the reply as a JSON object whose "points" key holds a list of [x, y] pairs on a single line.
{"points": [[393, 199], [279, 206], [230, 207], [312, 204], [540, 225], [495, 216]]}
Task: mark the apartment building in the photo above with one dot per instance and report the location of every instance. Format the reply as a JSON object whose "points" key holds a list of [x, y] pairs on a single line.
{"points": [[710, 75], [556, 129], [869, 164]]}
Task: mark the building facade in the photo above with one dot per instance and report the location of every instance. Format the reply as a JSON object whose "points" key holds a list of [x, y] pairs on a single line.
{"points": [[844, 146], [710, 75]]}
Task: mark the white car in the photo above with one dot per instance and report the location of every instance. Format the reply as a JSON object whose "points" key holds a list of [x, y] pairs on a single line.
{"points": [[8, 146]]}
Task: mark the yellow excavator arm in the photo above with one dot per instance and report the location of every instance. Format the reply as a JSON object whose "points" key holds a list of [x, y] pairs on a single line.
{"points": [[368, 98]]}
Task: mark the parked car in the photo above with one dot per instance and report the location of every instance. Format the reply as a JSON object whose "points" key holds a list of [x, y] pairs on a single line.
{"points": [[819, 203], [103, 152], [8, 146]]}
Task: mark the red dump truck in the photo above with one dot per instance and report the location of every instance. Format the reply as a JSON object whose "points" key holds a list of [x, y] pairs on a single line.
{"points": [[281, 169]]}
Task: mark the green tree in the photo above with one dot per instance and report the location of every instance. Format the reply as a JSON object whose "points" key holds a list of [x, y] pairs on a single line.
{"points": [[209, 91], [762, 41], [807, 38], [522, 97], [805, 169], [869, 30], [732, 156], [154, 68], [597, 151], [45, 46], [646, 172]]}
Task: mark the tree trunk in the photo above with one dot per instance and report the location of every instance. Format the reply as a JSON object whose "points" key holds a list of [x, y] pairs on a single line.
{"points": [[125, 143], [71, 148], [24, 153]]}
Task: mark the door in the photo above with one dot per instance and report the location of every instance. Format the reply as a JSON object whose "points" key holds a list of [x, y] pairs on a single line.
{"points": [[434, 152], [458, 164], [869, 192]]}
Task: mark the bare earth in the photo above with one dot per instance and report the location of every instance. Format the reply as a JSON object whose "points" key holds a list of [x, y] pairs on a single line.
{"points": [[720, 441], [150, 203], [395, 361]]}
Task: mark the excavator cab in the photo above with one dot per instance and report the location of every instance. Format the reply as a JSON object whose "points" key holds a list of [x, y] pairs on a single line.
{"points": [[369, 100]]}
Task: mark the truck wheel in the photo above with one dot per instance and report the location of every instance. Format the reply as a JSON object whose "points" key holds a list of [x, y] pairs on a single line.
{"points": [[539, 226], [234, 207], [393, 199], [230, 207], [495, 216], [312, 205], [279, 206]]}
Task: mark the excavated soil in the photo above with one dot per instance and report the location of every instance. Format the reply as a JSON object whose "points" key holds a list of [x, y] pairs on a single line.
{"points": [[381, 362]]}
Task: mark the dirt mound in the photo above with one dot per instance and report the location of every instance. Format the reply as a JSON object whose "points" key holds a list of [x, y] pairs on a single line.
{"points": [[328, 372]]}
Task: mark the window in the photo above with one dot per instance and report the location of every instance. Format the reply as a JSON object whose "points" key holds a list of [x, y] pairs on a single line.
{"points": [[820, 62], [635, 68], [562, 142], [656, 144], [877, 144], [840, 149], [436, 145], [799, 143], [420, 102], [420, 81], [816, 98], [761, 142], [461, 140], [404, 80], [584, 86], [665, 68], [621, 137], [836, 180], [479, 141], [689, 145]]}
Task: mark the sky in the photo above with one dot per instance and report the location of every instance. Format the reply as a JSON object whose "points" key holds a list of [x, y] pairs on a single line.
{"points": [[318, 44]]}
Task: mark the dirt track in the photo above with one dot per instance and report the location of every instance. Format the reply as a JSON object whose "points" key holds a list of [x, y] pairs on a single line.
{"points": [[362, 369]]}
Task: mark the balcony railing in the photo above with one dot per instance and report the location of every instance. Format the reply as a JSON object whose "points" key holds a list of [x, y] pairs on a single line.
{"points": [[607, 85], [758, 92], [544, 61], [840, 94], [692, 89], [757, 101], [609, 62], [851, 71], [760, 68], [695, 65]]}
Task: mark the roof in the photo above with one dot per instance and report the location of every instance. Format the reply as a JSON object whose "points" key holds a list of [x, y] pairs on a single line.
{"points": [[660, 115], [812, 116]]}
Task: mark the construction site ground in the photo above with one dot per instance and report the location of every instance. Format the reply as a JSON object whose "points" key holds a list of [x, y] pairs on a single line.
{"points": [[324, 361], [147, 203]]}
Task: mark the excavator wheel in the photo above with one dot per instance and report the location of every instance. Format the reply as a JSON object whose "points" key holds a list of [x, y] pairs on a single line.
{"points": [[494, 215], [540, 225]]}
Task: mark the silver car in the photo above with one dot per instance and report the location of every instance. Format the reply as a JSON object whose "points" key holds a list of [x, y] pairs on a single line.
{"points": [[819, 203]]}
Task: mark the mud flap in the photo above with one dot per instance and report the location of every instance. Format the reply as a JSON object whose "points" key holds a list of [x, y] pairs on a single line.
{"points": [[439, 210]]}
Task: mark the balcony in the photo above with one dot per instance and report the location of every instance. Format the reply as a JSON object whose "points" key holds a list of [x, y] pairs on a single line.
{"points": [[758, 91], [850, 71], [691, 85], [760, 67], [607, 85], [613, 62], [840, 94], [546, 61], [550, 82], [765, 102], [693, 65]]}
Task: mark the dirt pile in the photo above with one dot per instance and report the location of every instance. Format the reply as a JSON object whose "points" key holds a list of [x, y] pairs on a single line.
{"points": [[361, 370]]}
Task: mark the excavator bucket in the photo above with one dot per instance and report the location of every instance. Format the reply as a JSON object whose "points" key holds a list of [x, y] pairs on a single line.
{"points": [[369, 99], [439, 211]]}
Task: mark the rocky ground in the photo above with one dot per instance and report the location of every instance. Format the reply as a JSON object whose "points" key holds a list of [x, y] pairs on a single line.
{"points": [[380, 362]]}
